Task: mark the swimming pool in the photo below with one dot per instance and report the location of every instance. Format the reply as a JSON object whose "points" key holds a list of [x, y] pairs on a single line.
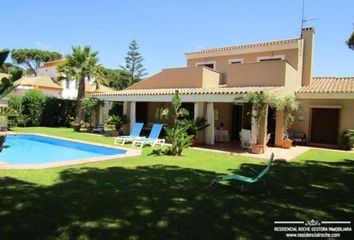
{"points": [[36, 149]]}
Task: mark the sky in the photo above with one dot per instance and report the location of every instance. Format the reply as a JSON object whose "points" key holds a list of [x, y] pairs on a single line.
{"points": [[165, 30]]}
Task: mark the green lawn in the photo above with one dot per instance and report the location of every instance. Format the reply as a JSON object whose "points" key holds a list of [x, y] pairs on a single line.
{"points": [[160, 197]]}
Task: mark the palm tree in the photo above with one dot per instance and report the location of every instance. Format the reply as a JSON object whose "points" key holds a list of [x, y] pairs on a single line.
{"points": [[82, 64], [6, 84]]}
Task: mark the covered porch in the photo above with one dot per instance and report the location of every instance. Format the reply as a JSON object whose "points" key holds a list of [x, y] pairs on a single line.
{"points": [[222, 107]]}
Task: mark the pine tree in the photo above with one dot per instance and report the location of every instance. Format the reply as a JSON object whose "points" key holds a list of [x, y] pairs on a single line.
{"points": [[133, 63]]}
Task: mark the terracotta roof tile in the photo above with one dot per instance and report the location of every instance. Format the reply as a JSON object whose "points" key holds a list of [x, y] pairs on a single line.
{"points": [[41, 81], [92, 89], [329, 85], [262, 44], [190, 91]]}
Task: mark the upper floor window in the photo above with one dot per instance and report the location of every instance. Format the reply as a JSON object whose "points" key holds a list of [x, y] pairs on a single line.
{"points": [[236, 60], [270, 58], [67, 84], [210, 64]]}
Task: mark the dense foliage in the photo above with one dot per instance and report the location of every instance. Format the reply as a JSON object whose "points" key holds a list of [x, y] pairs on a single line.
{"points": [[117, 121], [350, 41], [116, 78], [134, 63], [33, 105], [33, 58], [117, 109], [289, 105], [53, 112], [58, 112], [260, 102], [90, 105], [346, 140]]}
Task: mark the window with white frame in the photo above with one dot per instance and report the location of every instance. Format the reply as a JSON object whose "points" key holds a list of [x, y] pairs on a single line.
{"points": [[236, 60], [210, 64], [270, 58]]}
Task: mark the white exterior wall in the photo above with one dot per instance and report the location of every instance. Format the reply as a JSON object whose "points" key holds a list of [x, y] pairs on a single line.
{"points": [[67, 93], [51, 92], [71, 92], [50, 72]]}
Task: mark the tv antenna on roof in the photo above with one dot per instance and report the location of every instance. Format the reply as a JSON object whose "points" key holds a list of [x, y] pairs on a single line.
{"points": [[303, 19]]}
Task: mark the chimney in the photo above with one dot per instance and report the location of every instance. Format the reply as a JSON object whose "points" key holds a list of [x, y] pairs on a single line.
{"points": [[307, 34]]}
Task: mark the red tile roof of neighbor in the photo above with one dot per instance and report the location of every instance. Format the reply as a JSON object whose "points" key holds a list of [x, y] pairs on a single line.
{"points": [[329, 85], [191, 91]]}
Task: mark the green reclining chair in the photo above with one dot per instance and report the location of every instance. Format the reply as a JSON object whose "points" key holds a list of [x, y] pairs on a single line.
{"points": [[247, 180]]}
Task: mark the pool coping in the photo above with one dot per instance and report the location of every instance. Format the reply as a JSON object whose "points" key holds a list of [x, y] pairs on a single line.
{"points": [[130, 152]]}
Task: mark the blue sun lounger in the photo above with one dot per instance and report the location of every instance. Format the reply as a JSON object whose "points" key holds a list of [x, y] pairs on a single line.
{"points": [[135, 134], [153, 138]]}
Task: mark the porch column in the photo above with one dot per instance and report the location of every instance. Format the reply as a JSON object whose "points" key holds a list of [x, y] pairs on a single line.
{"points": [[198, 109], [199, 113], [210, 131], [126, 113], [101, 113], [263, 130], [132, 114], [259, 133], [253, 128], [125, 108], [279, 127]]}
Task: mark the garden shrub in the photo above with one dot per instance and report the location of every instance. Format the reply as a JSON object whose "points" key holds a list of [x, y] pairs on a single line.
{"points": [[177, 134], [90, 104], [33, 106], [58, 112], [346, 140], [117, 109]]}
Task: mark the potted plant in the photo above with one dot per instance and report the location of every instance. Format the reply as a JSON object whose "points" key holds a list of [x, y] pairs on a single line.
{"points": [[117, 123], [89, 127], [75, 125], [195, 126], [260, 102], [289, 105]]}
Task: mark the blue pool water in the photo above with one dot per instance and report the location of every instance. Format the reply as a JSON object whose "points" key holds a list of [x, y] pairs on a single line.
{"points": [[30, 149]]}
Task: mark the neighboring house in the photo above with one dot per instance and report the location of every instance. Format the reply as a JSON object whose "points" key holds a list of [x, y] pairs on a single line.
{"points": [[69, 87], [41, 83], [213, 84]]}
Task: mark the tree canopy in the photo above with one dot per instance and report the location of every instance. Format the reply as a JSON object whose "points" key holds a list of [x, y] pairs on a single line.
{"points": [[350, 41], [133, 63], [33, 58], [116, 78]]}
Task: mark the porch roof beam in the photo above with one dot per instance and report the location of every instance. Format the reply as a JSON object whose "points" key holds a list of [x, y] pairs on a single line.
{"points": [[237, 98]]}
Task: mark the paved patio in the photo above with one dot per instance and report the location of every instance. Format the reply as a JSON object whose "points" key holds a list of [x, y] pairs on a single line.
{"points": [[233, 148]]}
